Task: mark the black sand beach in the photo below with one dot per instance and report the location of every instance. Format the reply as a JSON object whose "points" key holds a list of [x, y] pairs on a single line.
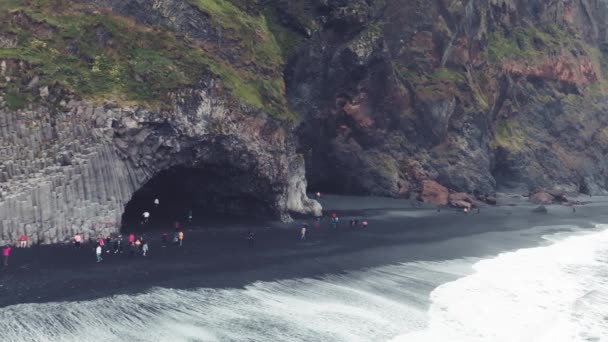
{"points": [[217, 255]]}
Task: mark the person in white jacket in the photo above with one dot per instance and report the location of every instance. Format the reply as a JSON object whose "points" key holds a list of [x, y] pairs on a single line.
{"points": [[98, 251]]}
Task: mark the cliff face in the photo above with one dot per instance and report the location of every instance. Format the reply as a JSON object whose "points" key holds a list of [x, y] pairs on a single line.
{"points": [[95, 104], [473, 94], [380, 97]]}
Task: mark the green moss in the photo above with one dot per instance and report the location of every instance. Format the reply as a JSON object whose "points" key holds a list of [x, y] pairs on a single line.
{"points": [[136, 63], [528, 42], [447, 75], [509, 135], [10, 4], [257, 43], [16, 100]]}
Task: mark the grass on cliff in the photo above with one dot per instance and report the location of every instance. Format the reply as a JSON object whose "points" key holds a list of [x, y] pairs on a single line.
{"points": [[528, 42], [107, 57], [510, 136], [256, 42]]}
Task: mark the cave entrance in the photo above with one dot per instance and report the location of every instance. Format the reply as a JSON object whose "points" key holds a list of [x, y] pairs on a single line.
{"points": [[211, 194]]}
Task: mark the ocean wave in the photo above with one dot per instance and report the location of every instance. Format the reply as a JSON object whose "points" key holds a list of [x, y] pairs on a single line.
{"points": [[370, 305], [551, 293]]}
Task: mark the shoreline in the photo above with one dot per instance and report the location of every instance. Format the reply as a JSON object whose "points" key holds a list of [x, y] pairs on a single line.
{"points": [[219, 258]]}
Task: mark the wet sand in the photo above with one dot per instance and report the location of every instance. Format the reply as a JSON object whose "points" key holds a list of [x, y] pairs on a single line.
{"points": [[217, 255]]}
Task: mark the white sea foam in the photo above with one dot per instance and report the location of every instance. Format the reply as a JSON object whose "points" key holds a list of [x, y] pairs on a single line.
{"points": [[557, 292], [552, 293], [371, 305]]}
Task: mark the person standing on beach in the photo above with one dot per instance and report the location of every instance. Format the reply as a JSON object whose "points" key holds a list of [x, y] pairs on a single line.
{"points": [[98, 251], [364, 224], [118, 244], [303, 233], [144, 249], [23, 241], [138, 245], [318, 222], [156, 202], [180, 237], [334, 220], [77, 240], [131, 238], [6, 252]]}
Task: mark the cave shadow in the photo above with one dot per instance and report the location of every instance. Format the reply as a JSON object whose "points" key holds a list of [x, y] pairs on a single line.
{"points": [[209, 195]]}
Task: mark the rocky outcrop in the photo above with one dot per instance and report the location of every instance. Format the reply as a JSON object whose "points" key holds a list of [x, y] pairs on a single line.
{"points": [[393, 98], [434, 193], [461, 200], [74, 167], [541, 198], [552, 196], [86, 120], [478, 94]]}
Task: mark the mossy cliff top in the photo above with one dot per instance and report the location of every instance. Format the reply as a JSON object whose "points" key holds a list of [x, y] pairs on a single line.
{"points": [[102, 56]]}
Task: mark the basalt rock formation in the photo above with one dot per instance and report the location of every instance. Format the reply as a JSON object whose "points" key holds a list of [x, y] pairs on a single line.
{"points": [[86, 127], [473, 95], [425, 99]]}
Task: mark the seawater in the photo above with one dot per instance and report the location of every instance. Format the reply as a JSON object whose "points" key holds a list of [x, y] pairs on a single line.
{"points": [[556, 292], [552, 293], [371, 305]]}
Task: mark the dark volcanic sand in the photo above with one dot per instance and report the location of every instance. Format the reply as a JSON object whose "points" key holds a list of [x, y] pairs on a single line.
{"points": [[217, 255]]}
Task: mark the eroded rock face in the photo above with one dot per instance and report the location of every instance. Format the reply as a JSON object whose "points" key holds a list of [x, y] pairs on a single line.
{"points": [[476, 94], [434, 193], [74, 167], [542, 198]]}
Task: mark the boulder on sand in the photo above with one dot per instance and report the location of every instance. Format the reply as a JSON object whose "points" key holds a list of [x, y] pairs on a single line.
{"points": [[487, 199], [461, 200], [491, 200], [558, 195], [461, 204], [541, 209], [434, 193], [542, 197]]}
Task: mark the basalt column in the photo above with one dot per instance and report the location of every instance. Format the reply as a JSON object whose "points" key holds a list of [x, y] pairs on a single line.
{"points": [[74, 167]]}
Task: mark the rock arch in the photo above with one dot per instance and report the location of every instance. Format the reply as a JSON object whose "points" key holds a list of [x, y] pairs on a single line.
{"points": [[74, 168]]}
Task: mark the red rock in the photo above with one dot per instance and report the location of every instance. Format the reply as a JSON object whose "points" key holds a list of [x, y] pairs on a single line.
{"points": [[565, 68], [433, 192], [542, 198], [461, 196]]}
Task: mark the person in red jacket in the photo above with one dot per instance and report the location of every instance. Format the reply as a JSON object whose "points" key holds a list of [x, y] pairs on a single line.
{"points": [[6, 252], [22, 241], [131, 238]]}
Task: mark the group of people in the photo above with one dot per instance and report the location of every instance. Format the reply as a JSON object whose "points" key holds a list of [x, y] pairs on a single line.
{"points": [[135, 245], [334, 220]]}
